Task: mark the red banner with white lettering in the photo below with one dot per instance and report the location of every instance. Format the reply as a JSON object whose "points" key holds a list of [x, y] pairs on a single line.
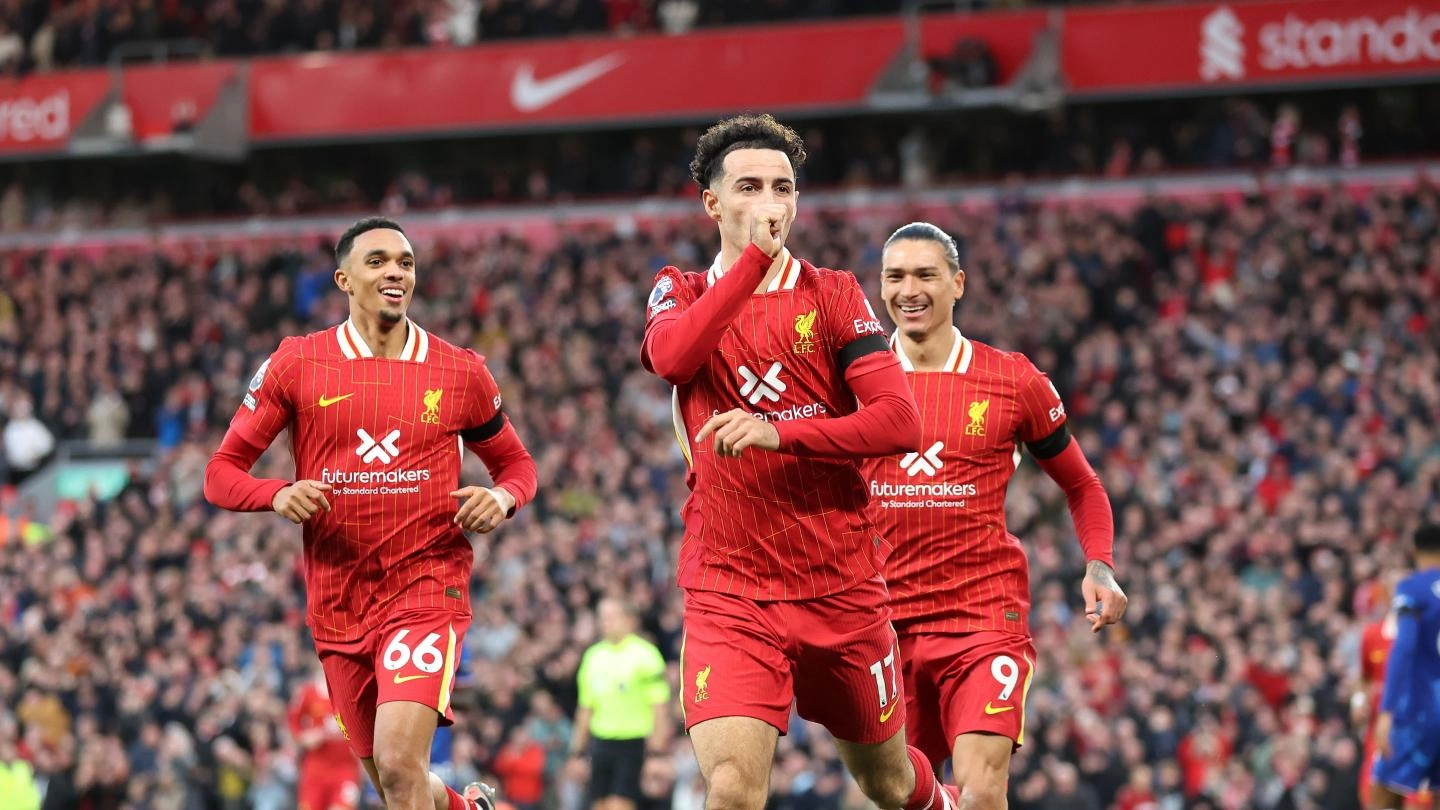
{"points": [[790, 68], [1221, 45], [40, 113]]}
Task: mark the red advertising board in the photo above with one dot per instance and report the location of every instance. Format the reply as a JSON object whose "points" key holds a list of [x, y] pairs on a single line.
{"points": [[776, 68], [1219, 45], [162, 97], [39, 113]]}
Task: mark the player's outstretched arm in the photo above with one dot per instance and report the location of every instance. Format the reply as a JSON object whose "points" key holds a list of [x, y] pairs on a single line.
{"points": [[678, 338], [888, 423]]}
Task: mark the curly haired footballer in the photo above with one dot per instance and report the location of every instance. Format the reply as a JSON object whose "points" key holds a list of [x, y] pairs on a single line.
{"points": [[743, 132]]}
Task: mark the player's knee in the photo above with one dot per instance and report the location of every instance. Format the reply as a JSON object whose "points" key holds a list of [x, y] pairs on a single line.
{"points": [[983, 794], [730, 788], [886, 788], [401, 773], [982, 785]]}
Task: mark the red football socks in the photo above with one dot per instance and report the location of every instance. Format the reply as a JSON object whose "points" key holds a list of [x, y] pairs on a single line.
{"points": [[458, 802], [926, 795]]}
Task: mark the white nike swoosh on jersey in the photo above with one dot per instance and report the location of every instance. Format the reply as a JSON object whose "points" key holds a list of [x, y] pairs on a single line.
{"points": [[529, 94]]}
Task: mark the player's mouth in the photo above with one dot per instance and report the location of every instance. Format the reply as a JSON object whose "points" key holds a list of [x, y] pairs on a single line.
{"points": [[394, 294], [911, 313]]}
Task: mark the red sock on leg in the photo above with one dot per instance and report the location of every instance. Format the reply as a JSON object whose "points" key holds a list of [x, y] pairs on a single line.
{"points": [[925, 797], [458, 802]]}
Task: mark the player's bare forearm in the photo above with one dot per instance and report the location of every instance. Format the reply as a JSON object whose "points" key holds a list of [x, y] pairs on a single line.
{"points": [[676, 345]]}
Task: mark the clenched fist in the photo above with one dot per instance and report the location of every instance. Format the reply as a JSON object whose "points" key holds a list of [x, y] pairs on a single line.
{"points": [[767, 227]]}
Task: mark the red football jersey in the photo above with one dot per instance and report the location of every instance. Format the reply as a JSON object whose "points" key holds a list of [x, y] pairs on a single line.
{"points": [[953, 567], [1375, 646], [773, 526], [310, 709], [385, 433]]}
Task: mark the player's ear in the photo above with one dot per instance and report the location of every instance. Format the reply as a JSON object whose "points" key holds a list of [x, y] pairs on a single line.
{"points": [[959, 284], [342, 280], [712, 204]]}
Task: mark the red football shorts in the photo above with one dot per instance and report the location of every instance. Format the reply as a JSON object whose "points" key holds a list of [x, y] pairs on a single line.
{"points": [[833, 657], [963, 683], [328, 791], [411, 657]]}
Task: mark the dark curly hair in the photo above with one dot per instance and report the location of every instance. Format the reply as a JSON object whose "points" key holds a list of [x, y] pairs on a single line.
{"points": [[743, 132]]}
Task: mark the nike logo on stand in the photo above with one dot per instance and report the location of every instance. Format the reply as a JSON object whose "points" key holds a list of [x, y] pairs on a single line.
{"points": [[529, 94], [326, 402], [993, 710]]}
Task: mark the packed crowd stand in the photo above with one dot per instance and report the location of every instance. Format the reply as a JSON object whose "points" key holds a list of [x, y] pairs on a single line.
{"points": [[1257, 385]]}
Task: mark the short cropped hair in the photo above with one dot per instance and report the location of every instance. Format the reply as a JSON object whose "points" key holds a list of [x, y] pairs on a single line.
{"points": [[743, 132], [347, 239], [926, 232]]}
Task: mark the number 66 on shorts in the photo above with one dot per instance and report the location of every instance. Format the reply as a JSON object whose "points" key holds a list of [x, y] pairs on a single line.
{"points": [[411, 657], [963, 684]]}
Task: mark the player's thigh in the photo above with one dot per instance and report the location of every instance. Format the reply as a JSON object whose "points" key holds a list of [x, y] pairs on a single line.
{"points": [[404, 734], [350, 679], [734, 755], [984, 680], [416, 656], [924, 722], [848, 672], [733, 662]]}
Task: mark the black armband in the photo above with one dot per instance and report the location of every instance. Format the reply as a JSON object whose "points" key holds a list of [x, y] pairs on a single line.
{"points": [[858, 348], [485, 432], [1052, 445]]}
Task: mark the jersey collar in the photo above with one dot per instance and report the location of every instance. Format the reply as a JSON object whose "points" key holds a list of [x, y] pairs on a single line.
{"points": [[783, 280], [354, 347], [957, 363]]}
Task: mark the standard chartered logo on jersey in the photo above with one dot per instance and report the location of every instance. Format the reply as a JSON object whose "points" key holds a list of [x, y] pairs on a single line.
{"points": [[923, 494], [382, 450]]}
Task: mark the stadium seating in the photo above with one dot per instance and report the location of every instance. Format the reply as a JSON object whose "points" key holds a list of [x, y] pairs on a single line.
{"points": [[1257, 384]]}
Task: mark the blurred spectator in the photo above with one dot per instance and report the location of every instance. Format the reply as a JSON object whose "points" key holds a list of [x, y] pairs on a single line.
{"points": [[28, 442], [521, 768]]}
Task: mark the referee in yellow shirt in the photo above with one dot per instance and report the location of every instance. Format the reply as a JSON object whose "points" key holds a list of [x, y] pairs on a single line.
{"points": [[624, 701]]}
